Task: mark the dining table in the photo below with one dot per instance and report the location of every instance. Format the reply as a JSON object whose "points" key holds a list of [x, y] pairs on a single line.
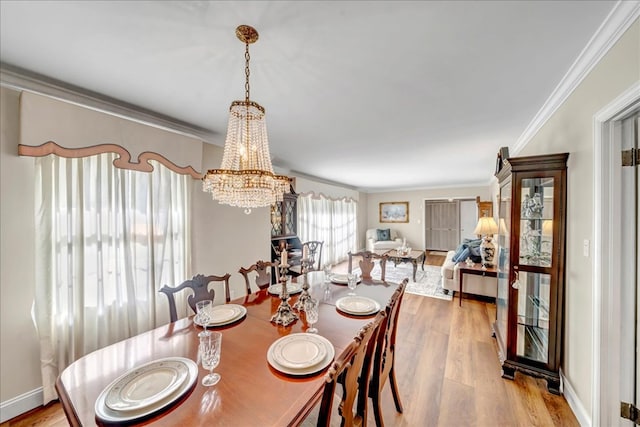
{"points": [[251, 392]]}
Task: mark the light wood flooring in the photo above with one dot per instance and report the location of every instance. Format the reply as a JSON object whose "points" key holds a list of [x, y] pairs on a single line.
{"points": [[448, 373]]}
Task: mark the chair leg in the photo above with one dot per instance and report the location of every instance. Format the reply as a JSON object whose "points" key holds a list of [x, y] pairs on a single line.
{"points": [[394, 389], [377, 409]]}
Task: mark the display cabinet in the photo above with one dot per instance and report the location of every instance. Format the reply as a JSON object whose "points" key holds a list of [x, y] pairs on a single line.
{"points": [[284, 221], [531, 266]]}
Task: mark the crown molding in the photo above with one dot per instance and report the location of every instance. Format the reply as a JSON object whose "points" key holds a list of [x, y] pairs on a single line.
{"points": [[621, 17], [23, 80]]}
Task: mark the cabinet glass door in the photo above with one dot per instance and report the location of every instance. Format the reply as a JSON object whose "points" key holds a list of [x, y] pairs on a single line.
{"points": [[504, 236], [536, 221], [533, 316]]}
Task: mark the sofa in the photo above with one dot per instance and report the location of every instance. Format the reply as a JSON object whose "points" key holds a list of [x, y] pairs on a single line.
{"points": [[477, 285], [373, 244]]}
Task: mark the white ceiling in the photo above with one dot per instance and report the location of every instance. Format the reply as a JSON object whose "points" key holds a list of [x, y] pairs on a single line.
{"points": [[377, 95]]}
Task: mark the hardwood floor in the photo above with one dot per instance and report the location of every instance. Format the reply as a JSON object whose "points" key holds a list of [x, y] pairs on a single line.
{"points": [[448, 373]]}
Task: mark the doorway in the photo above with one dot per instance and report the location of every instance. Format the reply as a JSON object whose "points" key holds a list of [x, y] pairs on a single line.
{"points": [[615, 321], [447, 222]]}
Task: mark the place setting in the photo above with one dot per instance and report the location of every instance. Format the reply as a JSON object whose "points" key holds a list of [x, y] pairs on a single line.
{"points": [[209, 315], [343, 279], [304, 353], [356, 305], [146, 389]]}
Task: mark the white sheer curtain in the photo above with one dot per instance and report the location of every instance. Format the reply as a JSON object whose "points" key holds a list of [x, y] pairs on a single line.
{"points": [[107, 239], [330, 220]]}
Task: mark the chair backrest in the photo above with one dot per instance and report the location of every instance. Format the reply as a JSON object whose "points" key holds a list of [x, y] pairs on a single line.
{"points": [[383, 362], [351, 370], [262, 273], [367, 263], [200, 287], [314, 253]]}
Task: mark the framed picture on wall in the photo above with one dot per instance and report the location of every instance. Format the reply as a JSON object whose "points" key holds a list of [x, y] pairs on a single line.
{"points": [[394, 212]]}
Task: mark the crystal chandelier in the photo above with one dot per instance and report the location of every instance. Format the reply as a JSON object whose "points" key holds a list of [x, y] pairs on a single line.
{"points": [[245, 178]]}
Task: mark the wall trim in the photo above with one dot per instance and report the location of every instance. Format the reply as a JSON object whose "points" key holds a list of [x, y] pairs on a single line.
{"points": [[606, 262], [574, 403], [21, 404], [19, 79], [621, 17]]}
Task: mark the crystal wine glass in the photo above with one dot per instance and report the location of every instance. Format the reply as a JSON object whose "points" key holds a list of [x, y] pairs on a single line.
{"points": [[202, 314], [210, 347], [311, 312], [352, 281], [327, 273]]}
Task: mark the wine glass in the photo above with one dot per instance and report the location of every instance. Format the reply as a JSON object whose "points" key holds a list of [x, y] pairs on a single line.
{"points": [[202, 314], [352, 281], [210, 347], [311, 312], [327, 273]]}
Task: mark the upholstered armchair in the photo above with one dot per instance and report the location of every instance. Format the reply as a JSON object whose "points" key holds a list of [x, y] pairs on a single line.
{"points": [[378, 239]]}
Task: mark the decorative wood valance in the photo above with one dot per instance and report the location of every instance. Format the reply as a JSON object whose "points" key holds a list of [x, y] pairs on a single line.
{"points": [[123, 161]]}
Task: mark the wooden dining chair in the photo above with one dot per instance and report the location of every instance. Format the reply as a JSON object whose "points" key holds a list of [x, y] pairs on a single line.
{"points": [[351, 370], [367, 263], [314, 253], [261, 272], [383, 362], [200, 288]]}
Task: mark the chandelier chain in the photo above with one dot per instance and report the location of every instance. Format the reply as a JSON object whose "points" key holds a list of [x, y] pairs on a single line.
{"points": [[246, 72]]}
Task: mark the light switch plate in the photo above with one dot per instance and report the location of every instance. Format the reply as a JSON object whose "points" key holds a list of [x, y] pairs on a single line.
{"points": [[585, 248]]}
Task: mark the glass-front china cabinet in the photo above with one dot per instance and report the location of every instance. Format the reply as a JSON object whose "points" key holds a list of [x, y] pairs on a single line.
{"points": [[531, 264]]}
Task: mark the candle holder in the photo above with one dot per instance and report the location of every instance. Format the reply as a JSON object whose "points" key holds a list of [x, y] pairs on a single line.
{"points": [[305, 263], [284, 315]]}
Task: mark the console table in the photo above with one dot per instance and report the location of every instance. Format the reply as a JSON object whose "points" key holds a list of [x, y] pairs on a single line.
{"points": [[475, 269]]}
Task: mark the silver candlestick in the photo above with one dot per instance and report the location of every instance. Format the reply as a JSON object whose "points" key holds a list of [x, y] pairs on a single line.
{"points": [[284, 315], [304, 295]]}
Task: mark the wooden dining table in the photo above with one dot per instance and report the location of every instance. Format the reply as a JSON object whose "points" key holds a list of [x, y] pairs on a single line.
{"points": [[251, 392]]}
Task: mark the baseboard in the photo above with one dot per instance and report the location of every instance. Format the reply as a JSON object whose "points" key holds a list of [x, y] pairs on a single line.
{"points": [[21, 404], [584, 419]]}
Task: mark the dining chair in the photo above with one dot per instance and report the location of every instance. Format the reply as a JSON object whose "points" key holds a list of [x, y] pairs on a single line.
{"points": [[351, 370], [261, 272], [367, 263], [314, 254], [383, 362], [200, 288]]}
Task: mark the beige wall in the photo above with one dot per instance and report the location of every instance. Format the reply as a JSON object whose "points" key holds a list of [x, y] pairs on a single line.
{"points": [[414, 229], [19, 346], [571, 130]]}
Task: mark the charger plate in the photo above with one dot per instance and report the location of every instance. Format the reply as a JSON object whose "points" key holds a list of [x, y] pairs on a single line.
{"points": [[289, 351], [142, 393], [223, 314], [357, 305], [341, 279], [292, 288]]}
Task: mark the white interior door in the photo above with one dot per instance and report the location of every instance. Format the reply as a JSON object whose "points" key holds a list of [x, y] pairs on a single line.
{"points": [[468, 219]]}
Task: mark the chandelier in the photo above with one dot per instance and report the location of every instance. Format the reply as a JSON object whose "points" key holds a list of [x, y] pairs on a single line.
{"points": [[245, 178]]}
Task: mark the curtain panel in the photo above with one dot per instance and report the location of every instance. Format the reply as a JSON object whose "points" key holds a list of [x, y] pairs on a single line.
{"points": [[107, 240], [333, 221]]}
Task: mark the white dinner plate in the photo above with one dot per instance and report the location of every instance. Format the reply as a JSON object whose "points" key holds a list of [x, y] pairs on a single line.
{"points": [[323, 363], [223, 314], [292, 288], [107, 414], [299, 351], [341, 279], [146, 385], [358, 305]]}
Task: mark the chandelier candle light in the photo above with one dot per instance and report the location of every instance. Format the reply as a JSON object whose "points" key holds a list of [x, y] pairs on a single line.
{"points": [[486, 227], [245, 178]]}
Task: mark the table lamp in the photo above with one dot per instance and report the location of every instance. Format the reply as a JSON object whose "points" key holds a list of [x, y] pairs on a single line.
{"points": [[486, 227]]}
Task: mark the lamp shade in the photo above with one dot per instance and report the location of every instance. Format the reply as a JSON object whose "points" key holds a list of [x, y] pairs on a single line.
{"points": [[486, 226]]}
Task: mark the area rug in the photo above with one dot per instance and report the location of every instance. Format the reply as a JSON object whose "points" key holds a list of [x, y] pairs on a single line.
{"points": [[428, 282]]}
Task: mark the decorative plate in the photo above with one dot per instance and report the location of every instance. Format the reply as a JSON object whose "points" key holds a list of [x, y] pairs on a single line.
{"points": [[223, 314], [341, 279], [299, 351], [360, 306], [324, 362], [292, 288], [109, 415]]}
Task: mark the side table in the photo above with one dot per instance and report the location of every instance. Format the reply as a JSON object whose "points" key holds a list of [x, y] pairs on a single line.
{"points": [[475, 269]]}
